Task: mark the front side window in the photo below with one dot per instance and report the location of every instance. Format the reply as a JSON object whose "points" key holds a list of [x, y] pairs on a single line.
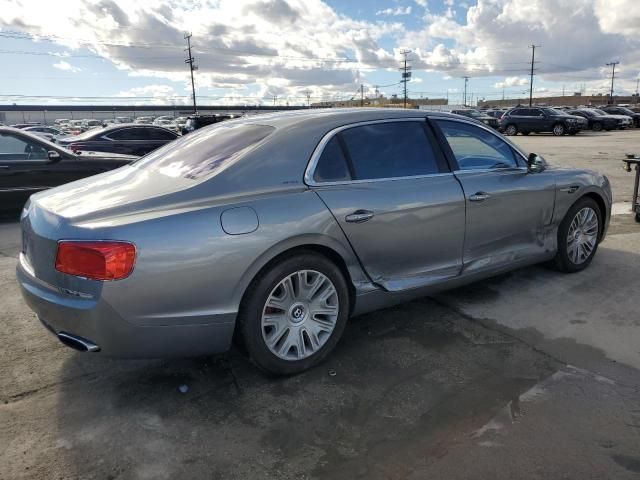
{"points": [[475, 148], [389, 150], [206, 151], [13, 148]]}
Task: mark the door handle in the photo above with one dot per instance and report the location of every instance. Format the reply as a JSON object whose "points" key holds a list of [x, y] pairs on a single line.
{"points": [[479, 197], [359, 216]]}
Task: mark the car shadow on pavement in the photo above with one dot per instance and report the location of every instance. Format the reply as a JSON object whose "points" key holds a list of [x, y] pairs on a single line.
{"points": [[403, 386]]}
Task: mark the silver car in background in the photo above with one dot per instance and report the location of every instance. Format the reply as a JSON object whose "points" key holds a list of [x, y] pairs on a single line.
{"points": [[275, 229]]}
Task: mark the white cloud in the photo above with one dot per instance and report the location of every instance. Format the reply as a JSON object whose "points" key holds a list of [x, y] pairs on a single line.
{"points": [[577, 38], [66, 66], [395, 11], [512, 82], [421, 3]]}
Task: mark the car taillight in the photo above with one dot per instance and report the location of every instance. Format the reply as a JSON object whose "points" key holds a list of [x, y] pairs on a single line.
{"points": [[96, 260]]}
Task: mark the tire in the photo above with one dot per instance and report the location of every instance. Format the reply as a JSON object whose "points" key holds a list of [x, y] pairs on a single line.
{"points": [[558, 129], [596, 127], [511, 130], [280, 331], [575, 230]]}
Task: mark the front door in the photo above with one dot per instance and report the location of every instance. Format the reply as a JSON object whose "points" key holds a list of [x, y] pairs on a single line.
{"points": [[509, 210], [396, 201]]}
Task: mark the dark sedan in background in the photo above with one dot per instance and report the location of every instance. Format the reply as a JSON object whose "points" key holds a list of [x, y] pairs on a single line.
{"points": [[29, 164], [132, 139], [595, 121], [478, 116], [617, 110]]}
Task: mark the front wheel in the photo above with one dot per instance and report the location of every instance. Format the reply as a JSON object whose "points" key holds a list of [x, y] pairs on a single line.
{"points": [[596, 127], [558, 129], [294, 314], [511, 130], [578, 236]]}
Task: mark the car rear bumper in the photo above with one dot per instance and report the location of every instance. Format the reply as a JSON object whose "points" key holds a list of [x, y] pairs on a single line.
{"points": [[94, 320]]}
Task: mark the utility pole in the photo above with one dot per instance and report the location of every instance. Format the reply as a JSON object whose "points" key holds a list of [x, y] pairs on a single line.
{"points": [[361, 95], [406, 73], [192, 66], [275, 97], [464, 99], [533, 61], [637, 94], [613, 76], [308, 95]]}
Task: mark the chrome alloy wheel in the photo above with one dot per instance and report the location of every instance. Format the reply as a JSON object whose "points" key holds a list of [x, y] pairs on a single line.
{"points": [[299, 315], [583, 235]]}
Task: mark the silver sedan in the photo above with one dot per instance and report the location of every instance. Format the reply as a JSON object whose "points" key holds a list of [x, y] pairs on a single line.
{"points": [[276, 229]]}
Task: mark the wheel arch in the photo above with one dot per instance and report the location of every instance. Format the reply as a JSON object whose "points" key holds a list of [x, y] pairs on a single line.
{"points": [[329, 248], [601, 205]]}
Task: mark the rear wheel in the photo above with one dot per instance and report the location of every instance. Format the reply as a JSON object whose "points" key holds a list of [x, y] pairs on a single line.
{"points": [[578, 236], [511, 130], [558, 129], [294, 314], [596, 127]]}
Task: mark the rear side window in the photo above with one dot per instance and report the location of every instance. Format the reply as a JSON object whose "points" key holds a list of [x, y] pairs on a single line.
{"points": [[158, 134], [206, 151], [332, 165], [129, 134], [389, 150]]}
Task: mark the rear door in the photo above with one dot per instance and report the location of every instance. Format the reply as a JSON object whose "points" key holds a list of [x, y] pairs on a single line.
{"points": [[509, 210], [391, 191]]}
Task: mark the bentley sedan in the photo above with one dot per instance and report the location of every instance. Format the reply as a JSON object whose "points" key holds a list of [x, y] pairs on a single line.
{"points": [[275, 229]]}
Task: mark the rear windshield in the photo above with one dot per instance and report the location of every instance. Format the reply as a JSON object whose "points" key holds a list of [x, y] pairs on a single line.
{"points": [[206, 151]]}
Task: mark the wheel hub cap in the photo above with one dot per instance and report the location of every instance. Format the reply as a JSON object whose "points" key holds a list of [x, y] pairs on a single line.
{"points": [[299, 315], [582, 237]]}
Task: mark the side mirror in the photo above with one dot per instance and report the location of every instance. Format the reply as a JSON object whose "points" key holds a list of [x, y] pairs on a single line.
{"points": [[53, 156], [535, 163]]}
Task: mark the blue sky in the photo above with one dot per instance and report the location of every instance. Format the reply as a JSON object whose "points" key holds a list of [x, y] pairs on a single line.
{"points": [[250, 51]]}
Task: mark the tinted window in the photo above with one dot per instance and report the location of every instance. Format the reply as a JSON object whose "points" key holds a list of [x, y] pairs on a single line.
{"points": [[129, 134], [158, 134], [517, 111], [332, 165], [387, 150], [206, 151], [14, 148], [475, 148]]}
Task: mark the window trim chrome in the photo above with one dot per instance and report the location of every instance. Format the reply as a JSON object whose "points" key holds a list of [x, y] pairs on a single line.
{"points": [[317, 153]]}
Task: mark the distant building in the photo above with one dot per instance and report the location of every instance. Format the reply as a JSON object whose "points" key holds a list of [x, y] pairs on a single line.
{"points": [[383, 102], [574, 100]]}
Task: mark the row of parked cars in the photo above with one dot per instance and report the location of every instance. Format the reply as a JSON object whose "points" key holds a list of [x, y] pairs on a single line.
{"points": [[36, 157], [557, 120]]}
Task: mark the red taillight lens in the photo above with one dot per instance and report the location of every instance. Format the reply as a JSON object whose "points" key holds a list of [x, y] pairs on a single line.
{"points": [[96, 260]]}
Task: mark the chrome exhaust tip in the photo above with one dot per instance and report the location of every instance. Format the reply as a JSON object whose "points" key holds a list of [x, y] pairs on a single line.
{"points": [[78, 343]]}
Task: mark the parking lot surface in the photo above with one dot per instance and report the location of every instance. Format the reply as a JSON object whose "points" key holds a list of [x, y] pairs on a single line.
{"points": [[533, 374]]}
